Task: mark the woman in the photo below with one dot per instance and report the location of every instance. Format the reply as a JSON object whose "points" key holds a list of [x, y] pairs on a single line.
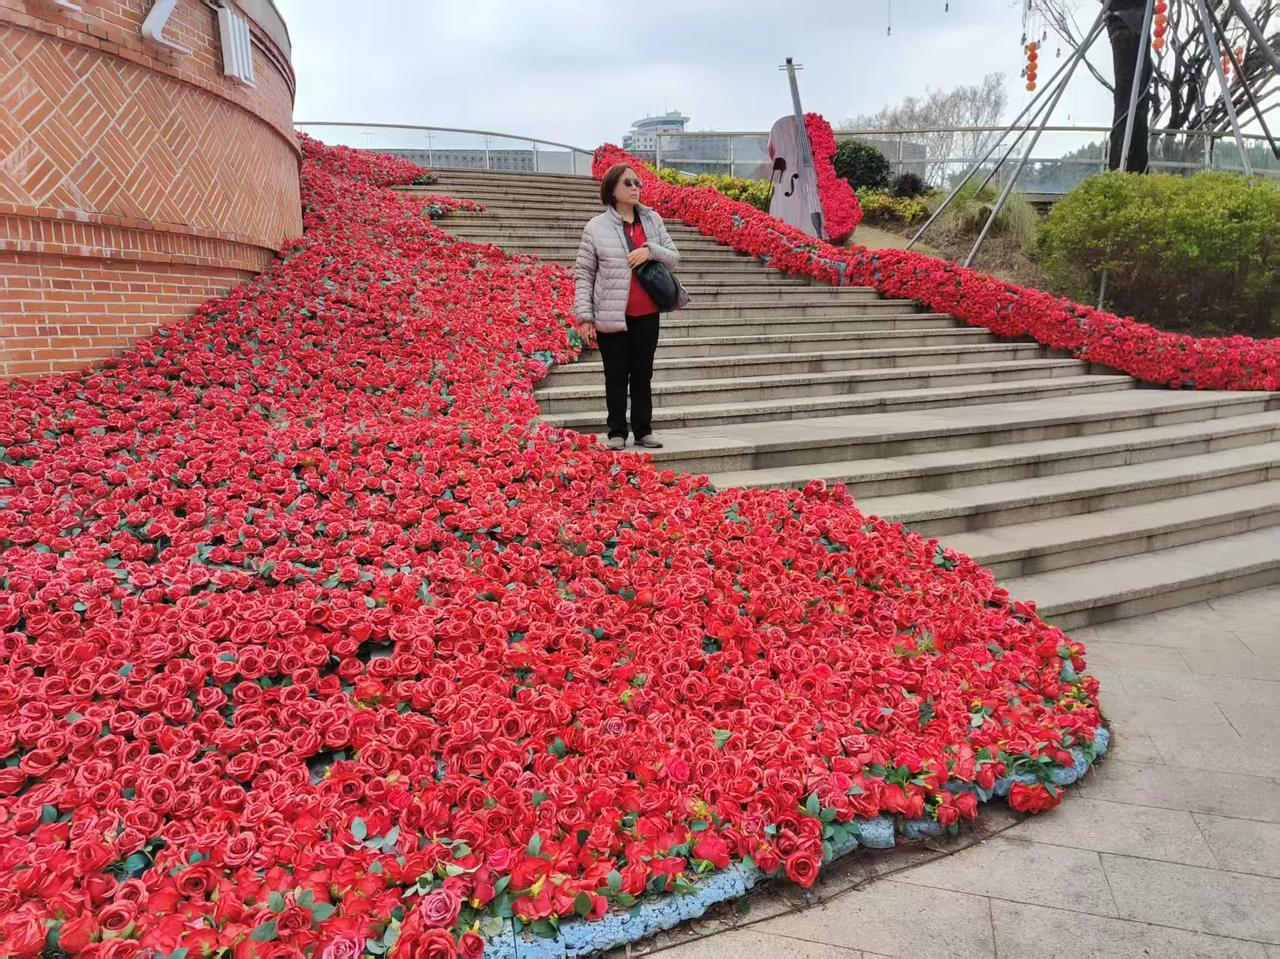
{"points": [[614, 309]]}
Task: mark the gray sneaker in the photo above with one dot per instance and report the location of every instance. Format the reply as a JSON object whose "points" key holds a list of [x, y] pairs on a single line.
{"points": [[616, 442], [649, 441]]}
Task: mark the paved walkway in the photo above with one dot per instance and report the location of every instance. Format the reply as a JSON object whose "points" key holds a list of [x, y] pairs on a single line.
{"points": [[1170, 848]]}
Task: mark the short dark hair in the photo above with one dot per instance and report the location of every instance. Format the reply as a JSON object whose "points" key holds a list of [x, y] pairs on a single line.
{"points": [[609, 182]]}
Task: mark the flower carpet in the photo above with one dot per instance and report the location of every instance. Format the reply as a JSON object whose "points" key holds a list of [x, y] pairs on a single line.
{"points": [[313, 642]]}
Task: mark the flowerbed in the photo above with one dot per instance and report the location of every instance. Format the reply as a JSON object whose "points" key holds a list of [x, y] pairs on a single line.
{"points": [[1141, 350], [841, 213], [313, 643]]}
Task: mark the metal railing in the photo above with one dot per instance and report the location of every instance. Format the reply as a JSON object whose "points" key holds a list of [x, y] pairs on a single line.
{"points": [[1064, 156], [456, 148]]}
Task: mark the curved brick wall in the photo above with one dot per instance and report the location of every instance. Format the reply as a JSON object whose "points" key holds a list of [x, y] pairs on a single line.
{"points": [[135, 182]]}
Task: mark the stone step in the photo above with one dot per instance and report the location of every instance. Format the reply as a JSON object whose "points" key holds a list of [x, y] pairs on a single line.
{"points": [[667, 369], [552, 179], [874, 317], [750, 389], [567, 236], [826, 442], [958, 510], [1030, 459], [679, 417], [1135, 585], [784, 344], [1063, 542], [763, 318]]}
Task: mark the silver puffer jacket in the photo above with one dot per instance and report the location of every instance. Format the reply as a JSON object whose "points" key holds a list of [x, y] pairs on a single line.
{"points": [[602, 279]]}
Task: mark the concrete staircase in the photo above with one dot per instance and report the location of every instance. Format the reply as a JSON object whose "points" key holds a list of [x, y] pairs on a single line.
{"points": [[1094, 497]]}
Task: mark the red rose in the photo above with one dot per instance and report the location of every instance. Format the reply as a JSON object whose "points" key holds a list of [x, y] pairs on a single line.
{"points": [[1033, 799], [713, 849], [802, 868], [75, 933], [118, 916], [424, 944], [471, 946], [295, 918]]}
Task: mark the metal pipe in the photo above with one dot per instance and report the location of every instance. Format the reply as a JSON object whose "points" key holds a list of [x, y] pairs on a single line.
{"points": [[1248, 91], [1255, 31], [1074, 62], [1088, 41], [1212, 42]]}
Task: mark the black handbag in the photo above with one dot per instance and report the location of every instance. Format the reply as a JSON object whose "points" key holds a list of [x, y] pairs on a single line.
{"points": [[659, 282]]}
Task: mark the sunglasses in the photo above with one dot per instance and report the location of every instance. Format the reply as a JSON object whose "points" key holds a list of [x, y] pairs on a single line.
{"points": [[630, 182]]}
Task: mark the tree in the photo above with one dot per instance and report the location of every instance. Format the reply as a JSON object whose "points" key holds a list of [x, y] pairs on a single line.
{"points": [[979, 104], [1185, 92]]}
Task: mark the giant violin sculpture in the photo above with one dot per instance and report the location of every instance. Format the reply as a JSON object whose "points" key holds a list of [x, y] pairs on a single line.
{"points": [[795, 180]]}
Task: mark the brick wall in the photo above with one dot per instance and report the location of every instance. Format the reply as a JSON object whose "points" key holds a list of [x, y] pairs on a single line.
{"points": [[134, 183]]}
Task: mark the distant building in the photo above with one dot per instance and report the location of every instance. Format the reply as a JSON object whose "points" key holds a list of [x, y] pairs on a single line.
{"points": [[643, 138]]}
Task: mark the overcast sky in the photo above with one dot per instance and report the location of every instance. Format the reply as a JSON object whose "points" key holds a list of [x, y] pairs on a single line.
{"points": [[580, 72]]}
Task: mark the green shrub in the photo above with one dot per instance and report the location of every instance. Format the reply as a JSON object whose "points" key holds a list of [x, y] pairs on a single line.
{"points": [[756, 192], [862, 165], [881, 207], [967, 213], [1197, 253]]}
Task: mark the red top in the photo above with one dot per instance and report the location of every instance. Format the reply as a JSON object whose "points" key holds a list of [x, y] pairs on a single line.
{"points": [[640, 303]]}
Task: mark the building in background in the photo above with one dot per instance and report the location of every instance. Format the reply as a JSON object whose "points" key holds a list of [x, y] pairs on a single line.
{"points": [[642, 141], [149, 164]]}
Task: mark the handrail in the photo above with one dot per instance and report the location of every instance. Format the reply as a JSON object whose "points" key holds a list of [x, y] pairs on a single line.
{"points": [[414, 126], [894, 131]]}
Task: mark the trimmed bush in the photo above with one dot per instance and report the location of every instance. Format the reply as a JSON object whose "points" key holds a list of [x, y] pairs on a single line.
{"points": [[881, 207], [909, 185], [862, 165], [756, 192], [1182, 253], [971, 207]]}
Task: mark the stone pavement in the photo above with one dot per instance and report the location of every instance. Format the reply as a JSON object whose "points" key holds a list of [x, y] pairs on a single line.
{"points": [[1169, 848]]}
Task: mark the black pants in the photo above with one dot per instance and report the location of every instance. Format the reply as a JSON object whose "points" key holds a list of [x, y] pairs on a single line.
{"points": [[628, 362], [1124, 58]]}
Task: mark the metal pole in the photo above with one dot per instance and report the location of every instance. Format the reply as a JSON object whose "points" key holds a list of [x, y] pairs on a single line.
{"points": [[995, 145], [1012, 146], [486, 153], [1013, 179], [1255, 31], [1248, 91], [1212, 42], [535, 157]]}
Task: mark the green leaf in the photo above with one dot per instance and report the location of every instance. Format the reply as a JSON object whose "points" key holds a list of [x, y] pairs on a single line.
{"points": [[48, 814], [558, 748], [320, 911], [614, 880], [306, 898], [265, 932], [582, 904], [722, 737], [275, 902], [359, 830], [812, 806], [535, 845], [539, 798]]}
